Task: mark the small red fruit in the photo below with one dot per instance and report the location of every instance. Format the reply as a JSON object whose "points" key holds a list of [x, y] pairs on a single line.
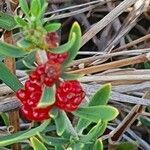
{"points": [[52, 73], [40, 114], [51, 39], [22, 95], [57, 58], [35, 114], [32, 86], [34, 99], [69, 95]]}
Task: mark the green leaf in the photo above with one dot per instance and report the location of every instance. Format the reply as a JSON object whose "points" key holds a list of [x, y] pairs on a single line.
{"points": [[82, 124], [63, 123], [98, 145], [48, 96], [30, 58], [69, 76], [101, 97], [146, 65], [22, 135], [145, 121], [59, 147], [95, 132], [69, 127], [52, 27], [21, 22], [28, 65], [9, 79], [42, 11], [77, 146], [25, 44], [24, 7], [55, 141], [97, 113], [65, 47], [35, 7], [10, 50], [60, 123], [7, 22], [36, 144], [42, 2], [5, 118], [127, 146], [76, 46]]}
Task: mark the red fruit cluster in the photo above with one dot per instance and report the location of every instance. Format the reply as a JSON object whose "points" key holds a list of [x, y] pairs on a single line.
{"points": [[30, 97], [51, 40], [57, 58], [69, 95], [46, 74]]}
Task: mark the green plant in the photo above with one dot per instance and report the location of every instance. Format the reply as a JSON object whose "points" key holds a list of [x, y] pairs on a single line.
{"points": [[51, 93]]}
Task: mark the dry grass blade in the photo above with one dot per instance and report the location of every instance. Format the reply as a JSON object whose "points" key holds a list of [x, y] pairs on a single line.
{"points": [[106, 20]]}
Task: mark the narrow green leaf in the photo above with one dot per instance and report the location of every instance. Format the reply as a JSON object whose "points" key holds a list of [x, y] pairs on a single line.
{"points": [[82, 124], [69, 76], [58, 147], [42, 11], [97, 113], [42, 2], [146, 65], [52, 27], [60, 123], [70, 129], [22, 135], [76, 46], [23, 43], [77, 146], [30, 58], [21, 22], [24, 7], [5, 118], [7, 22], [9, 79], [48, 97], [28, 65], [127, 146], [95, 132], [101, 97], [10, 50], [145, 121], [65, 47], [35, 7], [36, 144], [55, 141], [98, 145]]}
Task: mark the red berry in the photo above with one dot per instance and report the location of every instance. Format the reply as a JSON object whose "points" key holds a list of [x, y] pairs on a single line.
{"points": [[40, 114], [57, 58], [40, 70], [51, 39], [27, 112], [32, 86], [52, 73], [34, 99], [69, 95], [22, 95], [35, 114], [34, 76]]}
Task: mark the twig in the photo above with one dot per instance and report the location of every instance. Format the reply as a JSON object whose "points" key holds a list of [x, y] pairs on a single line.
{"points": [[111, 65], [106, 20]]}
